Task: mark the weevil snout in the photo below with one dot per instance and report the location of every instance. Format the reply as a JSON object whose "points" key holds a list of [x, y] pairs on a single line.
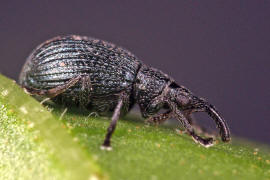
{"points": [[187, 103], [221, 124], [201, 105]]}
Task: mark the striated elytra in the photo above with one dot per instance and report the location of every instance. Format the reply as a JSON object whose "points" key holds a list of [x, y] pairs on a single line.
{"points": [[97, 75]]}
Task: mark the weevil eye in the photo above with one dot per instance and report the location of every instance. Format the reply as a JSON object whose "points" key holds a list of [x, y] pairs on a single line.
{"points": [[179, 94], [183, 100]]}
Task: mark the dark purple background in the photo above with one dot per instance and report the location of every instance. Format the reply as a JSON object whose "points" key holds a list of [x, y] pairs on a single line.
{"points": [[218, 49]]}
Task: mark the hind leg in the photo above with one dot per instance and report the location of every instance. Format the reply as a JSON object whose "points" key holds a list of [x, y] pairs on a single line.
{"points": [[50, 93], [116, 114], [160, 118]]}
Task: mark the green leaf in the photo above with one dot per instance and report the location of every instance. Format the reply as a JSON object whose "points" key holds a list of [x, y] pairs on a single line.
{"points": [[139, 151], [149, 152], [33, 144]]}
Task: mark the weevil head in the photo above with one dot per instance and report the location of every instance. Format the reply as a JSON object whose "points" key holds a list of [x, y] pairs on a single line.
{"points": [[154, 90], [187, 102], [180, 95]]}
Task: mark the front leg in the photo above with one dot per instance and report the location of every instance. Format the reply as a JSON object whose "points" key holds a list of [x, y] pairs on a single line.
{"points": [[160, 118], [153, 107], [206, 142]]}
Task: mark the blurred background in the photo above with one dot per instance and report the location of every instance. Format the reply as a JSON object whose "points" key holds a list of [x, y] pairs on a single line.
{"points": [[218, 49]]}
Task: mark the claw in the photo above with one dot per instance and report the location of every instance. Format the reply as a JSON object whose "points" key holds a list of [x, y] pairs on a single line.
{"points": [[208, 142], [106, 148]]}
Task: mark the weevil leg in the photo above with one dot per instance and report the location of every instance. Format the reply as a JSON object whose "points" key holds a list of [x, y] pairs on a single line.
{"points": [[116, 114], [54, 91], [51, 93], [155, 104], [160, 118], [206, 142], [86, 88], [86, 83]]}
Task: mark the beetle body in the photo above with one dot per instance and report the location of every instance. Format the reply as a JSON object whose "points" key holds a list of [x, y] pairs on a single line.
{"points": [[101, 76], [109, 70]]}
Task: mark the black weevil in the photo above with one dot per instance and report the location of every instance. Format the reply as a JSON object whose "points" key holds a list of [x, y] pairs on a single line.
{"points": [[101, 76]]}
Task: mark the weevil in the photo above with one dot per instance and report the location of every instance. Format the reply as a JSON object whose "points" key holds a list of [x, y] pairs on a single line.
{"points": [[100, 76]]}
